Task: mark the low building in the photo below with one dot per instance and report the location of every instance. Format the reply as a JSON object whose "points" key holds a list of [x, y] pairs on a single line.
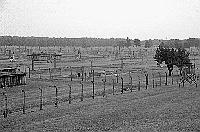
{"points": [[10, 77]]}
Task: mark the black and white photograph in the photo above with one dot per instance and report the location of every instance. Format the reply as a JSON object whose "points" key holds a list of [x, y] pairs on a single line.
{"points": [[99, 65]]}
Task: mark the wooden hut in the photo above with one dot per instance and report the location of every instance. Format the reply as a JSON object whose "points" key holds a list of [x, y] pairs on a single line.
{"points": [[11, 77]]}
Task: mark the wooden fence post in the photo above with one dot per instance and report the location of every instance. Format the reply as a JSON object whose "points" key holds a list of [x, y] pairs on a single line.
{"points": [[160, 77], [105, 75], [54, 58], [139, 86], [138, 83], [117, 77], [60, 71], [146, 75], [104, 87], [71, 72], [40, 73], [81, 91], [70, 90], [56, 103], [24, 101], [91, 67], [49, 73], [113, 86], [82, 70], [131, 83], [29, 72], [122, 90], [85, 76], [6, 105], [172, 79], [32, 63], [165, 78], [129, 73], [40, 98], [25, 69], [153, 80], [93, 83], [177, 78]]}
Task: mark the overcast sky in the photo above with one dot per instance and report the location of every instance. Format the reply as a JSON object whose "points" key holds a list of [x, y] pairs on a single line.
{"points": [[143, 19]]}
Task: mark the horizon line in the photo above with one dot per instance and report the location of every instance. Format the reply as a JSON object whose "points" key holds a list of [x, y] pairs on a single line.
{"points": [[97, 37]]}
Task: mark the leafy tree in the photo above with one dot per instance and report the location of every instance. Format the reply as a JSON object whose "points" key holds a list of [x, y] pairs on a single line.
{"points": [[171, 57], [137, 42], [84, 43], [120, 44], [148, 44], [193, 42], [182, 59]]}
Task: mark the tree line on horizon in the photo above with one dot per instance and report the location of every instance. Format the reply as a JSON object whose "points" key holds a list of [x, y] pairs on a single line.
{"points": [[95, 42]]}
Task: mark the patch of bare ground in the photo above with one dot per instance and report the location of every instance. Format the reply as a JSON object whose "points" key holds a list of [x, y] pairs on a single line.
{"points": [[167, 109]]}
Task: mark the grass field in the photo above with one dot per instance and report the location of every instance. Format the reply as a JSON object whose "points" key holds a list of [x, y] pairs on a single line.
{"points": [[159, 108]]}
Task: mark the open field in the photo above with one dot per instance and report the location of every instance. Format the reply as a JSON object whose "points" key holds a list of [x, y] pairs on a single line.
{"points": [[152, 107], [166, 108]]}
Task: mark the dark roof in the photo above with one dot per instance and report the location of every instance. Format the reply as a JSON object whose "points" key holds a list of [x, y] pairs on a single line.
{"points": [[44, 54]]}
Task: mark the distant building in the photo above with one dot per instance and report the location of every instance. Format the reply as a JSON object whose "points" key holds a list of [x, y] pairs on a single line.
{"points": [[11, 77]]}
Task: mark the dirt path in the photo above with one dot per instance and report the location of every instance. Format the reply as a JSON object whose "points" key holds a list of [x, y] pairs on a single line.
{"points": [[164, 109]]}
